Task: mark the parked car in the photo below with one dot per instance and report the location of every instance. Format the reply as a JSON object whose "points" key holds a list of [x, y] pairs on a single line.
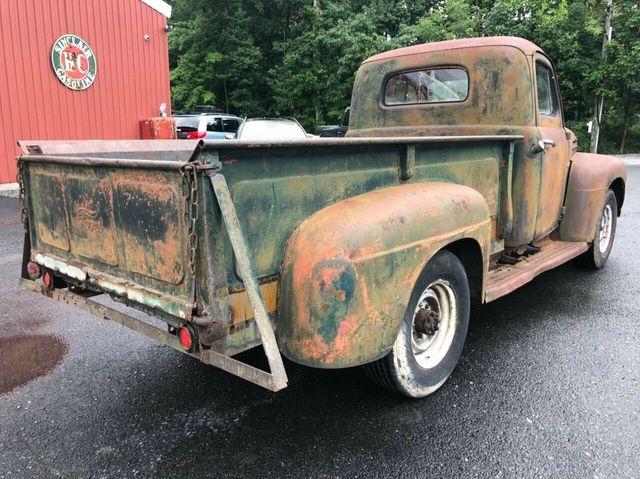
{"points": [[210, 127], [327, 131], [271, 129]]}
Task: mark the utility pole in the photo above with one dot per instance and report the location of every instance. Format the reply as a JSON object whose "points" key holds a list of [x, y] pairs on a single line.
{"points": [[595, 131]]}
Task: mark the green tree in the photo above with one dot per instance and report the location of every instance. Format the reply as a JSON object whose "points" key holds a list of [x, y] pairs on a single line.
{"points": [[313, 81], [448, 20], [619, 81], [214, 57], [299, 57]]}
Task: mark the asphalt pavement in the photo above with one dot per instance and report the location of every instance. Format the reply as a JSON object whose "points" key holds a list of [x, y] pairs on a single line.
{"points": [[548, 386]]}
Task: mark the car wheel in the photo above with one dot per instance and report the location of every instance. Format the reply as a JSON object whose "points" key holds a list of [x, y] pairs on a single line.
{"points": [[597, 255], [432, 334]]}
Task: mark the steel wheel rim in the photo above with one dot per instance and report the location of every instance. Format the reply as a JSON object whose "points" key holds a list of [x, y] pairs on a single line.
{"points": [[606, 225], [430, 349]]}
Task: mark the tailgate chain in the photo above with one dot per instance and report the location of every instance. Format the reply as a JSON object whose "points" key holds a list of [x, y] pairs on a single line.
{"points": [[20, 180], [189, 174]]}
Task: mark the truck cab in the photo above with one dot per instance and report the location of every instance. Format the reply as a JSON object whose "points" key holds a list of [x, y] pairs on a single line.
{"points": [[509, 86]]}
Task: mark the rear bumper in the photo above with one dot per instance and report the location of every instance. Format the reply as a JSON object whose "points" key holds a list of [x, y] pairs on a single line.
{"points": [[172, 305], [105, 312], [207, 356]]}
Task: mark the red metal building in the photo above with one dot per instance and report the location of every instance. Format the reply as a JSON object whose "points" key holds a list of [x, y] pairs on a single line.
{"points": [[79, 69]]}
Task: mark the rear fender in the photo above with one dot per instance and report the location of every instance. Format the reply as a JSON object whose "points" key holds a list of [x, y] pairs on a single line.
{"points": [[349, 269], [590, 177]]}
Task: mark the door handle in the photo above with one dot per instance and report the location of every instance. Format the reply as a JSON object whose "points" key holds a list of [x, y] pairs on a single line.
{"points": [[540, 146]]}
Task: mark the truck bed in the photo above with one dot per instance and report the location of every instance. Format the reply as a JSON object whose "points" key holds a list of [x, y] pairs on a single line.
{"points": [[115, 215]]}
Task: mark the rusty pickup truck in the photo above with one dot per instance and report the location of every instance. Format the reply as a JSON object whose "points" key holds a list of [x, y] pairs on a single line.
{"points": [[457, 182]]}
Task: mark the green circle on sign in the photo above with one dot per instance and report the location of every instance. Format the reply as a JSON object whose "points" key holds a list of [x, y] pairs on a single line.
{"points": [[73, 62]]}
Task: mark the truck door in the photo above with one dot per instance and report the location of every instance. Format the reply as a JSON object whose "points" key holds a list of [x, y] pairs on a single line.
{"points": [[555, 156]]}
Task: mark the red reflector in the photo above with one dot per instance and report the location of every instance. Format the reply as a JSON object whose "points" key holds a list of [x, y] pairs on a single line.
{"points": [[196, 135], [33, 269], [184, 336], [47, 278]]}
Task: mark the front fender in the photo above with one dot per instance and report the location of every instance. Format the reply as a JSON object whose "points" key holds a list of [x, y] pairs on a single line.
{"points": [[349, 269], [590, 177]]}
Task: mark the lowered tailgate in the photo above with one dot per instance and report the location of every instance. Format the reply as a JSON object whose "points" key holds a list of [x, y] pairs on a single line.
{"points": [[112, 215]]}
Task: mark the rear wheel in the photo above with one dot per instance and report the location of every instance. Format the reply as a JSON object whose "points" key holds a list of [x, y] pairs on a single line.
{"points": [[432, 335], [597, 255]]}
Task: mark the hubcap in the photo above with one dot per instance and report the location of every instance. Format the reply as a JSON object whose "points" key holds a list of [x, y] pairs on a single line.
{"points": [[433, 325], [606, 222]]}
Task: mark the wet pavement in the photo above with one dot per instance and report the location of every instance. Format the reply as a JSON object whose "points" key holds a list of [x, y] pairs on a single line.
{"points": [[548, 385], [23, 358]]}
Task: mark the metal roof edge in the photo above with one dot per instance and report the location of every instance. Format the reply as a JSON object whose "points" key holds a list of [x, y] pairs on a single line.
{"points": [[159, 6], [526, 46]]}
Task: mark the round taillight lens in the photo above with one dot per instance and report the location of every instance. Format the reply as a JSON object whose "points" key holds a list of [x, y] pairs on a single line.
{"points": [[47, 279], [187, 338], [33, 270]]}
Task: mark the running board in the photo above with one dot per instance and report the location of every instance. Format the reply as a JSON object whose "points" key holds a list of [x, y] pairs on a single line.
{"points": [[507, 278]]}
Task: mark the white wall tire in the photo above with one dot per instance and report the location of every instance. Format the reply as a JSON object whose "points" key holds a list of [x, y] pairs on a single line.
{"points": [[598, 253], [432, 334]]}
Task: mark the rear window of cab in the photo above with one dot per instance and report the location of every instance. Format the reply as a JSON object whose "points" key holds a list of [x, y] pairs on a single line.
{"points": [[433, 85]]}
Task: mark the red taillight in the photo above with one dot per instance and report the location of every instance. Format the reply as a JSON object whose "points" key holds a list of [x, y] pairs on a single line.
{"points": [[51, 282], [196, 135], [187, 338], [47, 279], [33, 270]]}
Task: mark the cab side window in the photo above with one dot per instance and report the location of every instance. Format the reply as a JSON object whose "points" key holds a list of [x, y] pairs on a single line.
{"points": [[215, 125], [548, 103], [231, 125]]}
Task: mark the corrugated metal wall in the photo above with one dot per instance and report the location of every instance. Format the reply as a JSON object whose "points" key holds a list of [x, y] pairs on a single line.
{"points": [[132, 74]]}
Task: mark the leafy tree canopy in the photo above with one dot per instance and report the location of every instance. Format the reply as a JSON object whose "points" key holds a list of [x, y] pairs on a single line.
{"points": [[299, 57]]}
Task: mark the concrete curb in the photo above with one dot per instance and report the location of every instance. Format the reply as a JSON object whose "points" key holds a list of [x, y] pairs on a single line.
{"points": [[9, 189], [630, 160]]}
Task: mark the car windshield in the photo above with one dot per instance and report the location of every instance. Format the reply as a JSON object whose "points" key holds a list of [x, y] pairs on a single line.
{"points": [[271, 130], [187, 122]]}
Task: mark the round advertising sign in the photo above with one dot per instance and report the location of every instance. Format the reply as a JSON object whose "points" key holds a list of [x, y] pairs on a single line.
{"points": [[73, 62]]}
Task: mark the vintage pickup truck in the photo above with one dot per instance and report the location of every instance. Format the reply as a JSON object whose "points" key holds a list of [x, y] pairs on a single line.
{"points": [[457, 182]]}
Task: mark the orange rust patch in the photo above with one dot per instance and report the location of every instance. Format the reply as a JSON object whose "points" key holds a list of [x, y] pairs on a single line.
{"points": [[371, 249], [372, 312], [314, 349], [343, 344], [151, 231]]}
